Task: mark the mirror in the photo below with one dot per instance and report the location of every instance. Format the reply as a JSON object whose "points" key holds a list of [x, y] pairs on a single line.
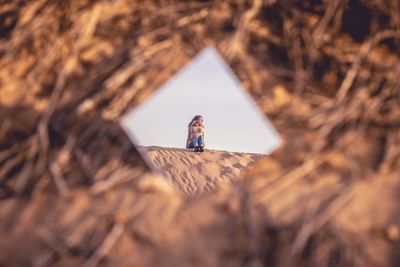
{"points": [[236, 132]]}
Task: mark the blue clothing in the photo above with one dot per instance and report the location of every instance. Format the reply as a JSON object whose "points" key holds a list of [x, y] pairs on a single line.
{"points": [[196, 142]]}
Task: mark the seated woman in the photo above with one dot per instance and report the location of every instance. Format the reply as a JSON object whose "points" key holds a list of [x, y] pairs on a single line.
{"points": [[196, 132]]}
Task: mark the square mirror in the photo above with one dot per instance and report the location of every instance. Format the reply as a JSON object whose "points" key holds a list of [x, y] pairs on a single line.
{"points": [[201, 129]]}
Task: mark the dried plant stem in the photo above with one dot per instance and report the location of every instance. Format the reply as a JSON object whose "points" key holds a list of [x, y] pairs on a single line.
{"points": [[316, 222], [323, 24], [26, 171], [105, 246], [4, 127], [290, 178], [58, 178], [363, 52], [116, 178], [70, 64]]}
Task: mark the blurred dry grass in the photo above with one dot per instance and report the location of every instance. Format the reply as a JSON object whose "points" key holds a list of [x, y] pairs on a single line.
{"points": [[74, 191]]}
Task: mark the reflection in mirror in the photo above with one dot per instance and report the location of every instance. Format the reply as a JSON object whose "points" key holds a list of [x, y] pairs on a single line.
{"points": [[201, 129]]}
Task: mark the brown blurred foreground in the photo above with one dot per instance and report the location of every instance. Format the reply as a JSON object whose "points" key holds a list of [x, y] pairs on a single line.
{"points": [[74, 191]]}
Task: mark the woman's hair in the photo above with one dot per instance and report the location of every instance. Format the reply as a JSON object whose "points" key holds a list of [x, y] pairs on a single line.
{"points": [[194, 120]]}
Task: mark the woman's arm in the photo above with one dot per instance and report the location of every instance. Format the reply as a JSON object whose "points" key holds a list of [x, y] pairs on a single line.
{"points": [[204, 141], [188, 138]]}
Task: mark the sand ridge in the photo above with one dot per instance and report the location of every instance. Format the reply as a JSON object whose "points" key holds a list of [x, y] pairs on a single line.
{"points": [[195, 173]]}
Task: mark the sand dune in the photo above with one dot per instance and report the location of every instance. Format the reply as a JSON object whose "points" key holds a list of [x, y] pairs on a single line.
{"points": [[195, 173]]}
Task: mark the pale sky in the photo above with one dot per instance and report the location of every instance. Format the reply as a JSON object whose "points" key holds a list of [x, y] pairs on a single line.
{"points": [[208, 87]]}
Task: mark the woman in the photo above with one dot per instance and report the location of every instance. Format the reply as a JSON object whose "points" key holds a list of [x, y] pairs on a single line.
{"points": [[196, 131]]}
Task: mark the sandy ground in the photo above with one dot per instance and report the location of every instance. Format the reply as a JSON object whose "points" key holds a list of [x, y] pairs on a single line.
{"points": [[195, 173]]}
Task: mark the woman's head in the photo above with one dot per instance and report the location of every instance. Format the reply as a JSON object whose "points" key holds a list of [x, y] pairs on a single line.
{"points": [[198, 119]]}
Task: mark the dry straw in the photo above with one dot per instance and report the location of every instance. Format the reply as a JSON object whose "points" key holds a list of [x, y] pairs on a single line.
{"points": [[325, 72]]}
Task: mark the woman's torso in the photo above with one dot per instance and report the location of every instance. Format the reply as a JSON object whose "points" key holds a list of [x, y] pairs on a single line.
{"points": [[195, 131]]}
